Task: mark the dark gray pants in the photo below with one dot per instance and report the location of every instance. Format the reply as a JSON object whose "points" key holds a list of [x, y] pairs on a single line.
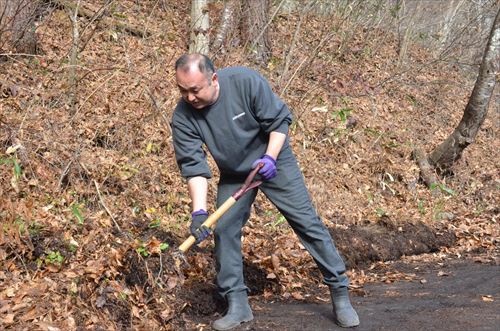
{"points": [[287, 191]]}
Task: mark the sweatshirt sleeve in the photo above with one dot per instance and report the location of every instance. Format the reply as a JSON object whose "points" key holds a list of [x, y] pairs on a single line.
{"points": [[189, 154], [271, 112]]}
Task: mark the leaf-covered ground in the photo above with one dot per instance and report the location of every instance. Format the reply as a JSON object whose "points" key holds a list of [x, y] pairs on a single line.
{"points": [[92, 205]]}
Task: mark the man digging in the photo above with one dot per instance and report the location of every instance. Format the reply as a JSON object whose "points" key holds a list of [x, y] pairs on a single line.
{"points": [[243, 124]]}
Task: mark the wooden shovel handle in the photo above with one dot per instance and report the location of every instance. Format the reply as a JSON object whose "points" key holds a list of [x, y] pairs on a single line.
{"points": [[209, 223], [212, 219]]}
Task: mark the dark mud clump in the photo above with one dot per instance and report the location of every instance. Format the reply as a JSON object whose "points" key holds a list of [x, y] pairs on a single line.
{"points": [[202, 299], [256, 279], [387, 240], [46, 248], [145, 269]]}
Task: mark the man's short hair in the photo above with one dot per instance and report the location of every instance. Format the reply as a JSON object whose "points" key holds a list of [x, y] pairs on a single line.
{"points": [[205, 65]]}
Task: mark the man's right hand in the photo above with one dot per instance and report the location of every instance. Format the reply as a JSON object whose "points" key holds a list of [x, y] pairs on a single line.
{"points": [[198, 230], [268, 171]]}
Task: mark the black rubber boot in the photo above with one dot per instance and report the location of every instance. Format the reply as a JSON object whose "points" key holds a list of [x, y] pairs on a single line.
{"points": [[238, 312], [345, 315]]}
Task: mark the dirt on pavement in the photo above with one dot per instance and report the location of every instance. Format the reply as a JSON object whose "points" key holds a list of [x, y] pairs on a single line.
{"points": [[458, 295]]}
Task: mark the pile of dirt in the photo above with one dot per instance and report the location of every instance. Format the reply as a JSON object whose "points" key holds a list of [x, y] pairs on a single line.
{"points": [[387, 240]]}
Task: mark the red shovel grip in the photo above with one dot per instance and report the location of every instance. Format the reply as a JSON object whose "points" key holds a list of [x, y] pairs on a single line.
{"points": [[249, 183]]}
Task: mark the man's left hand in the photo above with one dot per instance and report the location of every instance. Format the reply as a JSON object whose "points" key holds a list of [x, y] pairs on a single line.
{"points": [[268, 171]]}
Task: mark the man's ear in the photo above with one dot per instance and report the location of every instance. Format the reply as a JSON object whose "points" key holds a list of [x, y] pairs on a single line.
{"points": [[215, 78]]}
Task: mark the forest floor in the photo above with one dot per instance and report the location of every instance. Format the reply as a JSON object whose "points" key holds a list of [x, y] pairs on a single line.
{"points": [[93, 207]]}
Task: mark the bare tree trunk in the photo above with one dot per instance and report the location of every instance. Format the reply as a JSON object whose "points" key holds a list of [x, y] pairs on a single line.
{"points": [[199, 27], [73, 60], [475, 112], [449, 20], [3, 21], [254, 29], [230, 15], [405, 39], [400, 11], [18, 16]]}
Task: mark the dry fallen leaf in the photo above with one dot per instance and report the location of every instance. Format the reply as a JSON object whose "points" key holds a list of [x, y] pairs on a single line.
{"points": [[297, 296], [10, 292], [12, 149], [153, 246], [135, 312], [100, 301], [275, 261], [172, 282], [167, 314], [30, 315], [487, 298], [8, 319], [323, 299]]}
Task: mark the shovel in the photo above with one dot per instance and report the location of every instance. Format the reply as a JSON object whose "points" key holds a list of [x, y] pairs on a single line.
{"points": [[211, 221]]}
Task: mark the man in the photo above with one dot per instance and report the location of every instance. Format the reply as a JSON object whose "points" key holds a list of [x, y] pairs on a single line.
{"points": [[235, 114]]}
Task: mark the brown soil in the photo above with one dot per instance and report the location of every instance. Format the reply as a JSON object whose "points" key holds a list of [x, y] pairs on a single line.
{"points": [[387, 240]]}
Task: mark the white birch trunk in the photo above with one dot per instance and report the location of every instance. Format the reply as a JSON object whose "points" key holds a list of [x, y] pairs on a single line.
{"points": [[199, 40]]}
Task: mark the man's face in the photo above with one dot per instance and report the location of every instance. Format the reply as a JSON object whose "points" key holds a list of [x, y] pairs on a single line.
{"points": [[195, 88]]}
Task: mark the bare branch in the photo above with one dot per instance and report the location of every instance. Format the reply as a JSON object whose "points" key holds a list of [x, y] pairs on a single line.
{"points": [[105, 207]]}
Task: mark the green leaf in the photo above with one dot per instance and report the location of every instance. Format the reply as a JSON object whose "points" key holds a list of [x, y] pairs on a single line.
{"points": [[76, 212], [421, 208], [5, 161], [20, 225], [149, 147], [342, 116], [142, 251], [443, 188], [279, 220], [54, 258], [380, 212], [164, 246], [154, 224], [17, 169], [448, 190]]}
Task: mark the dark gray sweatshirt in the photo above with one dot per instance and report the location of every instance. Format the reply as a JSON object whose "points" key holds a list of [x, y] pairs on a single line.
{"points": [[235, 129]]}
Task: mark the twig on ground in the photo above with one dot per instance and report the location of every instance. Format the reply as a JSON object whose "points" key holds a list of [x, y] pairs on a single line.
{"points": [[158, 277], [65, 172], [21, 259], [20, 54], [158, 109], [105, 207]]}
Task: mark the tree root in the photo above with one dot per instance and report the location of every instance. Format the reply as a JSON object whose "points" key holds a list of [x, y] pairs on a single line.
{"points": [[426, 170]]}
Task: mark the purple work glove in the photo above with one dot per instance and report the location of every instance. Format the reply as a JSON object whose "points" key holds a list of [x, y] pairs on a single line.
{"points": [[198, 230], [268, 171]]}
